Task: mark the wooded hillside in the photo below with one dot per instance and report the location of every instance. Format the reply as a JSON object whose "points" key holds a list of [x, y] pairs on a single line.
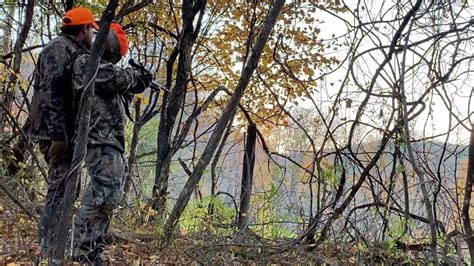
{"points": [[287, 131]]}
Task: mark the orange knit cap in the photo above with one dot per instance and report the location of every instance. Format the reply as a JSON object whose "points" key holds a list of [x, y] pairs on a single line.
{"points": [[121, 36], [79, 16]]}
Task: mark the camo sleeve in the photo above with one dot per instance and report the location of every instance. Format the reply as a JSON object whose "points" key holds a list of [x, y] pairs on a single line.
{"points": [[110, 79]]}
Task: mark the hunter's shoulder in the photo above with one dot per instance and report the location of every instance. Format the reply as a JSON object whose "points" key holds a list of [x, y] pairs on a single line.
{"points": [[57, 44], [63, 44], [56, 49]]}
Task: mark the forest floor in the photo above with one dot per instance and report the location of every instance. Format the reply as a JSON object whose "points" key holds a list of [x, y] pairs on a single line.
{"points": [[18, 246]]}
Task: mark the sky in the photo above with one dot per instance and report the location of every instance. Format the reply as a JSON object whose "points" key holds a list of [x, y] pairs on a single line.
{"points": [[435, 119]]}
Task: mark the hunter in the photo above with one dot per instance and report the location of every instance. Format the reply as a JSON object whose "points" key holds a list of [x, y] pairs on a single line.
{"points": [[51, 118]]}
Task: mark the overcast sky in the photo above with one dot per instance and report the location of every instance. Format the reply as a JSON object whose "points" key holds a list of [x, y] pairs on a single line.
{"points": [[431, 122]]}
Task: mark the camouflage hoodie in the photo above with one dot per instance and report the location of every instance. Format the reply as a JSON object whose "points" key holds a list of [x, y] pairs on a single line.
{"points": [[107, 125], [51, 116]]}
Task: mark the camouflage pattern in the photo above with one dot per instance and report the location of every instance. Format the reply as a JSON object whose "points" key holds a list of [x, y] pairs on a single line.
{"points": [[107, 125], [107, 169], [51, 116], [58, 169]]}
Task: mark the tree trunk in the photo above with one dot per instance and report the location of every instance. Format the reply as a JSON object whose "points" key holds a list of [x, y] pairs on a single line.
{"points": [[172, 104], [221, 125], [466, 219], [459, 257], [7, 30], [20, 146], [247, 176], [9, 89]]}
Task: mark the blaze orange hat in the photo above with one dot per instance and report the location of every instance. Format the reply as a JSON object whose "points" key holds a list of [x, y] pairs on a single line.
{"points": [[79, 16], [121, 36]]}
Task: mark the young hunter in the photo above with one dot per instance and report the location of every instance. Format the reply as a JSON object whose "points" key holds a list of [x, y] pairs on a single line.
{"points": [[105, 160]]}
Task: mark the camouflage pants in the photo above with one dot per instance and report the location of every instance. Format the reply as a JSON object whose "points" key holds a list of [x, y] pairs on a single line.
{"points": [[106, 167], [58, 169]]}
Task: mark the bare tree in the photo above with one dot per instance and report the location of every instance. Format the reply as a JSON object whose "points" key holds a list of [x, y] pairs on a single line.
{"points": [[227, 114], [173, 101]]}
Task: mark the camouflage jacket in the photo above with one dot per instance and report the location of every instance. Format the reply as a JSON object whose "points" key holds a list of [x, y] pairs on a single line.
{"points": [[51, 116], [107, 124]]}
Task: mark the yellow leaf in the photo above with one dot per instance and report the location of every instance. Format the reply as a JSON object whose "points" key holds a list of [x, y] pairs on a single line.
{"points": [[145, 100]]}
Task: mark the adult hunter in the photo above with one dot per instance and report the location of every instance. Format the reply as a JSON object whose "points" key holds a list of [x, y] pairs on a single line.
{"points": [[51, 118]]}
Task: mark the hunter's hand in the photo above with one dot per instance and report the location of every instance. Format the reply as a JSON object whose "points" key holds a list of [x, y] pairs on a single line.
{"points": [[144, 79]]}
